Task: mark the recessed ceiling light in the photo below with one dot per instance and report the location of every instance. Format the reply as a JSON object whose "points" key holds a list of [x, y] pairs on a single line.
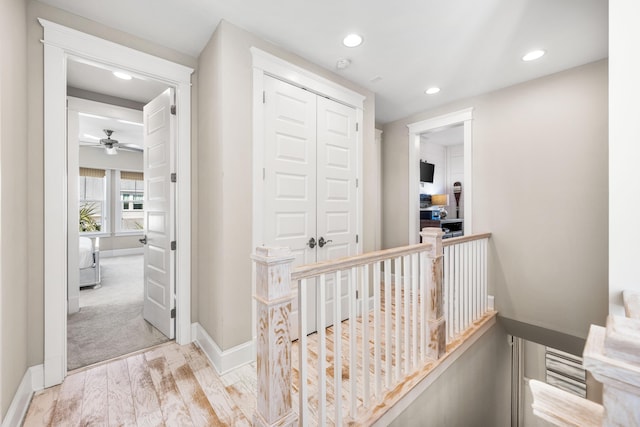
{"points": [[352, 40], [533, 55], [121, 75], [432, 90]]}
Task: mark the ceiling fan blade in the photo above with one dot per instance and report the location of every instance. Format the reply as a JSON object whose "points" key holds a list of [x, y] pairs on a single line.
{"points": [[131, 147]]}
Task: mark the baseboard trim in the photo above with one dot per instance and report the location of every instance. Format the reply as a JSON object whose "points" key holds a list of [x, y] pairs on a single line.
{"points": [[121, 252], [32, 381], [223, 361]]}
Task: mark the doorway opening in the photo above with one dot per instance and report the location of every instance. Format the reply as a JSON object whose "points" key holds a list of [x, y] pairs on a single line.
{"points": [[456, 121], [60, 45], [106, 192]]}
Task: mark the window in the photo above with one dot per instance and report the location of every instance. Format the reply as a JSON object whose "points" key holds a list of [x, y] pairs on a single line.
{"points": [[131, 201], [92, 199]]}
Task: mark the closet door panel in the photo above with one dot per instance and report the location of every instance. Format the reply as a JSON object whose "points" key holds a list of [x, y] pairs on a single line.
{"points": [[337, 192], [290, 177]]}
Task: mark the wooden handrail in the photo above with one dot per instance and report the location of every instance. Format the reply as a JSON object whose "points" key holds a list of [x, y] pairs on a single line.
{"points": [[463, 239], [562, 408], [324, 267]]}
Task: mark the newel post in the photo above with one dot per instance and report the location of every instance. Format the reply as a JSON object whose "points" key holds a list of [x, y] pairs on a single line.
{"points": [[435, 293], [273, 347]]}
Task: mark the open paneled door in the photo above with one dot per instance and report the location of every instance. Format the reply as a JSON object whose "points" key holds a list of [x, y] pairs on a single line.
{"points": [[159, 260]]}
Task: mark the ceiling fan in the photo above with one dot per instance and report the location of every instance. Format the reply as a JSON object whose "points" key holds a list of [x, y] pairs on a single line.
{"points": [[111, 146]]}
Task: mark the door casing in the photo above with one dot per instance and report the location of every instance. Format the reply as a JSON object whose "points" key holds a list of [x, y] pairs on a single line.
{"points": [[267, 64], [61, 42], [464, 117]]}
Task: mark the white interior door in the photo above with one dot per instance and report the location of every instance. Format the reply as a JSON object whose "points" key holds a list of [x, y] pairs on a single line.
{"points": [[310, 188], [159, 260], [290, 177], [337, 192]]}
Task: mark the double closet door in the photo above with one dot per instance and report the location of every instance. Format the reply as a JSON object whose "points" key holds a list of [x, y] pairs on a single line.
{"points": [[310, 171]]}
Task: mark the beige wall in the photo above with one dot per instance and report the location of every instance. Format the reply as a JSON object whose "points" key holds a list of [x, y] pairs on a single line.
{"points": [[474, 391], [35, 196], [13, 201], [540, 186], [225, 158]]}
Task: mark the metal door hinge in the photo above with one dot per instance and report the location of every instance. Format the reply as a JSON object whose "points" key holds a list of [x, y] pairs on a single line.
{"points": [[264, 97], [357, 182], [357, 294], [357, 126], [173, 245], [173, 110], [264, 174], [174, 177], [173, 313], [356, 238]]}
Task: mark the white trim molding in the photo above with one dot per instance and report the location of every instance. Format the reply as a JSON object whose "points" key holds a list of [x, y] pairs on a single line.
{"points": [[223, 361], [464, 117], [60, 44], [32, 381]]}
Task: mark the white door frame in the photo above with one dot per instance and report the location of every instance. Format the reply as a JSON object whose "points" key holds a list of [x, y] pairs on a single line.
{"points": [[464, 117], [60, 43], [266, 64]]}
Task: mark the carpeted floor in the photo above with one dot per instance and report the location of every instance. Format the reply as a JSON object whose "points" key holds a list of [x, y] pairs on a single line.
{"points": [[110, 322]]}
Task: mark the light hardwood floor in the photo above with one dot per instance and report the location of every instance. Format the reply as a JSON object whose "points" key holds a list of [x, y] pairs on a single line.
{"points": [[172, 385]]}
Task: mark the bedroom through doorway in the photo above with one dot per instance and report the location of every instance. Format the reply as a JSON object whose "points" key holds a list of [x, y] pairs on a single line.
{"points": [[106, 290]]}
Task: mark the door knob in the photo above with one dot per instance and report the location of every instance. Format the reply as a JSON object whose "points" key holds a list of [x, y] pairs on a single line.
{"points": [[323, 242], [311, 243], [143, 240]]}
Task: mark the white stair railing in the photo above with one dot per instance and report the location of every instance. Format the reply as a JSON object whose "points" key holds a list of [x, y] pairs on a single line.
{"points": [[465, 282], [391, 306]]}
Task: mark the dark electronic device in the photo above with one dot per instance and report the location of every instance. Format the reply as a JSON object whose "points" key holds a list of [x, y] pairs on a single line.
{"points": [[426, 171]]}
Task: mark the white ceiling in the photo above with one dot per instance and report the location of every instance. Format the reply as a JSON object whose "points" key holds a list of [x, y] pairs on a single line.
{"points": [[100, 79], [465, 47], [91, 130], [448, 136]]}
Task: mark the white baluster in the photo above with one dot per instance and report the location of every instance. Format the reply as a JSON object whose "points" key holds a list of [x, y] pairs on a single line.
{"points": [[377, 335], [459, 288], [303, 388], [406, 324], [397, 262], [365, 335], [484, 274], [387, 322], [322, 351], [337, 347], [353, 341], [414, 309], [423, 306]]}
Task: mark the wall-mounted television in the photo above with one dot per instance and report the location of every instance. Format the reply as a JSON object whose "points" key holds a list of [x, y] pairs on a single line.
{"points": [[426, 171]]}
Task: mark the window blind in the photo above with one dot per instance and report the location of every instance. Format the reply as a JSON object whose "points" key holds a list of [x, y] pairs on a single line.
{"points": [[95, 173], [136, 176]]}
